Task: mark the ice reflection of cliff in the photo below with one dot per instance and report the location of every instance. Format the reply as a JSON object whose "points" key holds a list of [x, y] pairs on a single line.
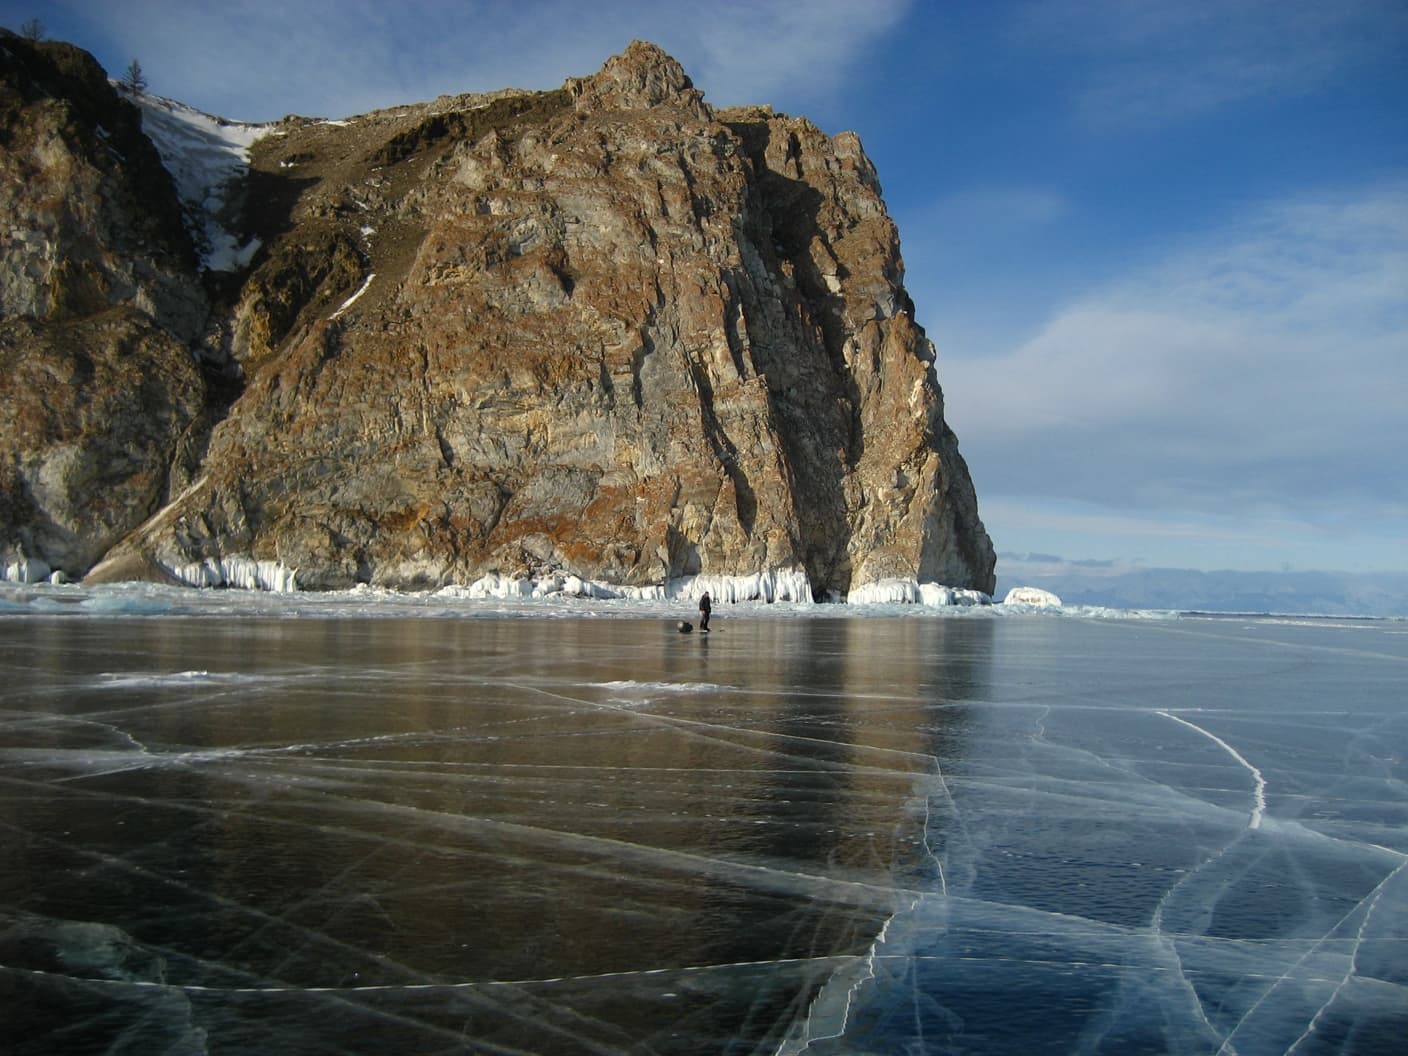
{"points": [[376, 834]]}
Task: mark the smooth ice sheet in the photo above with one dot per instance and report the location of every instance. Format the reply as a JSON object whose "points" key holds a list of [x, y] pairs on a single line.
{"points": [[986, 833]]}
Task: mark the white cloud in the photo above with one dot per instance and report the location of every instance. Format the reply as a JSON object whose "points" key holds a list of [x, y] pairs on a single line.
{"points": [[759, 52], [1228, 538], [264, 58], [1092, 365], [1261, 368]]}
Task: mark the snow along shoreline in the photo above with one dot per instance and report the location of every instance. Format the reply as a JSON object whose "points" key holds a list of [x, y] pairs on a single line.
{"points": [[767, 587]]}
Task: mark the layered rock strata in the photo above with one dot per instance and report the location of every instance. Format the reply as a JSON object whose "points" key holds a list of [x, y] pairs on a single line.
{"points": [[604, 332]]}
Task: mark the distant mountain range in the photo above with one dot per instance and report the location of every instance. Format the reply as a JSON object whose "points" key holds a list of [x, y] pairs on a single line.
{"points": [[1123, 586]]}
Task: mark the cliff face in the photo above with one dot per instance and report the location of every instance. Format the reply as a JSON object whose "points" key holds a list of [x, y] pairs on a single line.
{"points": [[604, 330], [99, 309]]}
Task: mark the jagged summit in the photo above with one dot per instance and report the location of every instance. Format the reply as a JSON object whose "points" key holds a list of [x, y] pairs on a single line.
{"points": [[599, 333], [640, 77]]}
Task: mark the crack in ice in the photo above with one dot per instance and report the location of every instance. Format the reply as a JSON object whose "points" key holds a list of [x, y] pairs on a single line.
{"points": [[463, 984], [823, 1015], [1259, 782], [1353, 959], [1285, 976]]}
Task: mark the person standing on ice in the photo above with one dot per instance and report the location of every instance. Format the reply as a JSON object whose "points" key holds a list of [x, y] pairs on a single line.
{"points": [[705, 607]]}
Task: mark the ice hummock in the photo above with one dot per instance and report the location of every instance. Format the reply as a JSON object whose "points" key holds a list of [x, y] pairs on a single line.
{"points": [[1031, 596], [767, 586], [208, 157]]}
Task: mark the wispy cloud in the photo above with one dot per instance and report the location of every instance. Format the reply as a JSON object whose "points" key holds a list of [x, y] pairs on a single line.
{"points": [[263, 58], [753, 52], [1087, 521], [1232, 537], [1161, 59], [1263, 365]]}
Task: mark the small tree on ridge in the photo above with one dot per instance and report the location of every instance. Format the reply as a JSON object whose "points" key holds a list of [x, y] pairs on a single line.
{"points": [[134, 80]]}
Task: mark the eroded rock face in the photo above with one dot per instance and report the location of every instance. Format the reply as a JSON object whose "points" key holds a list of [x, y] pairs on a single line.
{"points": [[603, 330], [103, 415], [100, 309], [91, 218]]}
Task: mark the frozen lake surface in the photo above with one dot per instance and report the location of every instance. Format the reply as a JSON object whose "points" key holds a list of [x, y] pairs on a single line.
{"points": [[244, 824]]}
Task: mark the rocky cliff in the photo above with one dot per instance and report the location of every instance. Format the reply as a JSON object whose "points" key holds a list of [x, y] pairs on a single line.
{"points": [[100, 308], [605, 331]]}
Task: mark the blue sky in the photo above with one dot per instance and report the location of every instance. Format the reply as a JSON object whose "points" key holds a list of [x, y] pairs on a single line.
{"points": [[1161, 245]]}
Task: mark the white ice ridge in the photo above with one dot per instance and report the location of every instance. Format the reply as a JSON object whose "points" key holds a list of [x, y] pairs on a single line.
{"points": [[830, 1010], [1259, 788], [242, 572], [912, 592], [760, 586], [829, 1014], [206, 156]]}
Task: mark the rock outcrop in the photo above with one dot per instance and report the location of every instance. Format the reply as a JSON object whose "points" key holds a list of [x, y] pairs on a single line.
{"points": [[100, 308], [604, 331]]}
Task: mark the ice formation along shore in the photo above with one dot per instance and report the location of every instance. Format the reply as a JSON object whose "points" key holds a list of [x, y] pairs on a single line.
{"points": [[273, 576]]}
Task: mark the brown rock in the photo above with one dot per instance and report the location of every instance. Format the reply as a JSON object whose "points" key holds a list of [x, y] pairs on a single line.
{"points": [[603, 331], [104, 404], [104, 414], [91, 217]]}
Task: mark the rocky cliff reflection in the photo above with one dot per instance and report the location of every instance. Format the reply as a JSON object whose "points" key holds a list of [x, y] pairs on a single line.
{"points": [[459, 835]]}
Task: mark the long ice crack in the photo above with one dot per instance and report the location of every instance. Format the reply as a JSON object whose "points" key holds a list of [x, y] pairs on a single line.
{"points": [[1259, 782]]}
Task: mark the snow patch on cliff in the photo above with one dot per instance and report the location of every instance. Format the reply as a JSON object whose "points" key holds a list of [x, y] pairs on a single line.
{"points": [[208, 158], [353, 299]]}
